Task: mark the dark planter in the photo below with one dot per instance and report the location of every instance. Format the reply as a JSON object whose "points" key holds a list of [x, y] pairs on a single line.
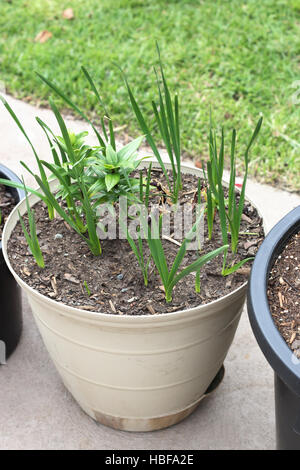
{"points": [[285, 365], [10, 295]]}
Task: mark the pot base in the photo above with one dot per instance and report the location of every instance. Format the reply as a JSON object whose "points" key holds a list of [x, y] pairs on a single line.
{"points": [[153, 423], [287, 409]]}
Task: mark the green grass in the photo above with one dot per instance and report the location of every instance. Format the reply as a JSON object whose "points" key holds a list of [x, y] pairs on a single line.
{"points": [[239, 58]]}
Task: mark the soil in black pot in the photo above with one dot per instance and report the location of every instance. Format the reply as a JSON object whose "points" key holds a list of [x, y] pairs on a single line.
{"points": [[7, 203], [113, 282], [284, 293]]}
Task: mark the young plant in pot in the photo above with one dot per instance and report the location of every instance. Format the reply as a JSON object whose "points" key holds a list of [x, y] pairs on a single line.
{"points": [[137, 323], [11, 307], [274, 312]]}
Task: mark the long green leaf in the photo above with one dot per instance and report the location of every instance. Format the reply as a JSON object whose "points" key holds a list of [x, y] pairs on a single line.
{"points": [[90, 220], [157, 251], [72, 105], [252, 140], [46, 129], [170, 113], [163, 131], [68, 191], [233, 269], [63, 130], [231, 190], [41, 170], [14, 184], [147, 191], [196, 265], [182, 250], [93, 87], [32, 238], [111, 180], [145, 129], [221, 200], [58, 208], [162, 121], [125, 152]]}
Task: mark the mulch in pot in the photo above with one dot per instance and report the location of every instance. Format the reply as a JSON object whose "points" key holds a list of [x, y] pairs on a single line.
{"points": [[113, 283], [284, 293], [7, 203]]}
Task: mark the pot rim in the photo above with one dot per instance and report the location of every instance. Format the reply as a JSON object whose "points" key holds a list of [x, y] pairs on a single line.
{"points": [[8, 174], [272, 344], [110, 317]]}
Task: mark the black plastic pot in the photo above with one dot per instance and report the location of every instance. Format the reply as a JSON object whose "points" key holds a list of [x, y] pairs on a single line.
{"points": [[285, 365], [10, 295]]}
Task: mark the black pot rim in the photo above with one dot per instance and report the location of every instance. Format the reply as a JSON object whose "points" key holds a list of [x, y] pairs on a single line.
{"points": [[19, 193], [272, 344]]}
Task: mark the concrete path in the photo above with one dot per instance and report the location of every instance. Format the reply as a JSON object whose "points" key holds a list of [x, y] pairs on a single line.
{"points": [[38, 413]]}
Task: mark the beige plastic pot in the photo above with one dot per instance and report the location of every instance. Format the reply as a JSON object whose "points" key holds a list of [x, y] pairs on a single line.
{"points": [[134, 373]]}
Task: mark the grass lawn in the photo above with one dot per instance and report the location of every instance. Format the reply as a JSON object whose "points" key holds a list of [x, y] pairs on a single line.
{"points": [[241, 58]]}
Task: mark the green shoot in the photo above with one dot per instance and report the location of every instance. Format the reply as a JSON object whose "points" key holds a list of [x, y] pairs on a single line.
{"points": [[111, 129], [197, 282], [230, 213], [145, 189], [235, 211], [73, 106], [167, 119], [137, 248], [87, 288], [171, 277], [138, 251], [210, 204], [87, 177], [141, 184], [41, 169], [232, 269], [14, 184], [31, 237]]}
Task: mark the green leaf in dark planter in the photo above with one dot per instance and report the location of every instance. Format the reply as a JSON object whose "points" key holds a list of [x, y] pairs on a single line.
{"points": [[111, 180]]}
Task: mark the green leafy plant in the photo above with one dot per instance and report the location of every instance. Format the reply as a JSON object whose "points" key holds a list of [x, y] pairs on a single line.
{"points": [[169, 277], [69, 168], [166, 115], [144, 189], [138, 250], [31, 236], [108, 173], [107, 137], [230, 211], [40, 166], [87, 176]]}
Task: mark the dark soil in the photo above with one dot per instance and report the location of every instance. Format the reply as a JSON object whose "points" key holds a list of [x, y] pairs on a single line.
{"points": [[284, 293], [7, 203], [112, 282]]}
